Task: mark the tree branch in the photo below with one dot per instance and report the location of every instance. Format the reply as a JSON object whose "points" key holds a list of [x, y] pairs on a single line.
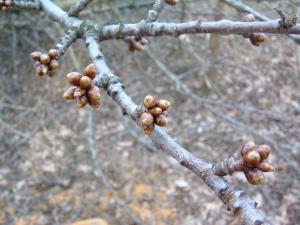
{"points": [[80, 5]]}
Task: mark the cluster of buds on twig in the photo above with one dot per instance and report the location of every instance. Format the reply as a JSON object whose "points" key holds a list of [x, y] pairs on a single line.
{"points": [[153, 112], [82, 89], [255, 38], [171, 2], [137, 44], [5, 5], [46, 63], [254, 161]]}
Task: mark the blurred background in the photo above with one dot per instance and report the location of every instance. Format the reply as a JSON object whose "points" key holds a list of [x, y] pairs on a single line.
{"points": [[59, 164]]}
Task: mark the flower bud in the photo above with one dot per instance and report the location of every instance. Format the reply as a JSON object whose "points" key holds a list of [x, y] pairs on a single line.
{"points": [[39, 71], [165, 113], [52, 53], [53, 64], [249, 146], [131, 48], [8, 3], [94, 96], [251, 159], [266, 167], [148, 130], [45, 69], [249, 18], [90, 71], [74, 78], [69, 93], [171, 2], [144, 41], [138, 46], [163, 104], [81, 101], [149, 102], [36, 55], [264, 152], [85, 82], [79, 92], [161, 121], [156, 111], [45, 59], [146, 119], [255, 177]]}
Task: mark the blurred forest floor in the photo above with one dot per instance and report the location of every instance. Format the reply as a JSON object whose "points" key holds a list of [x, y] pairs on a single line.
{"points": [[59, 164]]}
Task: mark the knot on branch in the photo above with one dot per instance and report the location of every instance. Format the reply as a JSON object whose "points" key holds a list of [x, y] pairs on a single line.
{"points": [[88, 28], [136, 43], [46, 63], [153, 112], [254, 38], [5, 5], [286, 21], [83, 90]]}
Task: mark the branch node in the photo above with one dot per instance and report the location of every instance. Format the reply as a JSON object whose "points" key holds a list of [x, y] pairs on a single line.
{"points": [[286, 21]]}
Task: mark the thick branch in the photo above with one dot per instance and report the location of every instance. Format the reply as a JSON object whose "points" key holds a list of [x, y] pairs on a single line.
{"points": [[194, 27], [234, 198]]}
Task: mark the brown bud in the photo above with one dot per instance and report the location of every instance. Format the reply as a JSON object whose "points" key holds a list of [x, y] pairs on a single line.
{"points": [[81, 101], [251, 159], [39, 71], [146, 119], [259, 37], [45, 69], [36, 55], [163, 104], [52, 53], [69, 93], [8, 3], [255, 177], [144, 41], [51, 73], [131, 48], [79, 92], [249, 146], [149, 102], [264, 151], [165, 113], [138, 46], [85, 82], [161, 121], [45, 59], [94, 96], [90, 71], [171, 2], [266, 167], [53, 64], [156, 111], [249, 18], [148, 130], [74, 78]]}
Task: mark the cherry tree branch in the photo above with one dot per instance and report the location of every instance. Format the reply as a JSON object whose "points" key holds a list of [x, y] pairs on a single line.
{"points": [[34, 5], [153, 13], [232, 196]]}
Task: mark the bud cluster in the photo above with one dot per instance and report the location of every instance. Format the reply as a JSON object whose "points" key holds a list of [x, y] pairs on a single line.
{"points": [[254, 160], [82, 89], [137, 44], [255, 39], [171, 2], [5, 5], [153, 112], [46, 64]]}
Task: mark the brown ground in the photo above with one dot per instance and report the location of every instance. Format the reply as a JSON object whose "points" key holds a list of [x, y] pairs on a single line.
{"points": [[48, 174]]}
